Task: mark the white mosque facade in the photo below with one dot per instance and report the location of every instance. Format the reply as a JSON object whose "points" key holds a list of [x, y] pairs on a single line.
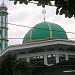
{"points": [[45, 43]]}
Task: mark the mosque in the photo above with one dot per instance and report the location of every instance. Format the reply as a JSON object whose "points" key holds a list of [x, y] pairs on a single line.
{"points": [[45, 43]]}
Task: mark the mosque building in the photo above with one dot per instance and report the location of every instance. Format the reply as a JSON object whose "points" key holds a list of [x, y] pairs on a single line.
{"points": [[45, 43]]}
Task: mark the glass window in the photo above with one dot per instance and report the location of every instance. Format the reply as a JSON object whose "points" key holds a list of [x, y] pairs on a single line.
{"points": [[0, 41], [51, 59], [0, 20], [41, 56], [37, 59], [62, 57], [3, 20], [0, 49], [32, 58], [71, 57], [7, 21], [0, 30], [0, 45], [0, 36]]}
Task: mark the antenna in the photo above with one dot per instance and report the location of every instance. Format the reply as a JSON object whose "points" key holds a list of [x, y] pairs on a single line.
{"points": [[44, 12]]}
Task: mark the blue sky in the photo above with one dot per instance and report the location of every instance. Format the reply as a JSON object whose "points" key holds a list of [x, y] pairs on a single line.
{"points": [[30, 15]]}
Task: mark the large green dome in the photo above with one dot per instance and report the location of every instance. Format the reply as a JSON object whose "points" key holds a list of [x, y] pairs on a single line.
{"points": [[45, 30]]}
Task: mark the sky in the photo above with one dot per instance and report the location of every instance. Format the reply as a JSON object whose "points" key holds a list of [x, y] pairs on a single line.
{"points": [[30, 15]]}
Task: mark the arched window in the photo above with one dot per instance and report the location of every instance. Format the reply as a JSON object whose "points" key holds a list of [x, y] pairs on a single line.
{"points": [[51, 59], [71, 57], [62, 57], [37, 59]]}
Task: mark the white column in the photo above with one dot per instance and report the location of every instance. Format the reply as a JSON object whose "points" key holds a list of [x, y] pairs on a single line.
{"points": [[45, 59], [57, 58], [66, 56]]}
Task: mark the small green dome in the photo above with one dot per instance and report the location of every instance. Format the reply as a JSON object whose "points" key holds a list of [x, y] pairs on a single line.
{"points": [[45, 30]]}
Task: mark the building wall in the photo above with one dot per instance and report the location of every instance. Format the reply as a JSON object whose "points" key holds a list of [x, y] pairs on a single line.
{"points": [[46, 53]]}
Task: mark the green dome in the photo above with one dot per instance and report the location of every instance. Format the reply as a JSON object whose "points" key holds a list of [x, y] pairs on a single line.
{"points": [[43, 31]]}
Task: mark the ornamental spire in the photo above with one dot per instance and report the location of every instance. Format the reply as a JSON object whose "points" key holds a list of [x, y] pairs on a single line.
{"points": [[44, 12], [3, 1], [3, 7]]}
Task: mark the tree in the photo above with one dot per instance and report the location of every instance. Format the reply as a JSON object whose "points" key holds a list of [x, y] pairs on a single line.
{"points": [[38, 67], [10, 65], [66, 7]]}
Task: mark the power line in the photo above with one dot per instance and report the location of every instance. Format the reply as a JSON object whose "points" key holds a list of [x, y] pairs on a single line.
{"points": [[37, 28]]}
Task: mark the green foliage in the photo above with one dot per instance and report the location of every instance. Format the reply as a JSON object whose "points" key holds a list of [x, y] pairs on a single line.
{"points": [[66, 7], [10, 65], [37, 68]]}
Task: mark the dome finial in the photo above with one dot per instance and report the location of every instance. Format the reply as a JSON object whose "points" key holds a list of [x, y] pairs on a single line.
{"points": [[3, 7], [44, 12], [3, 1]]}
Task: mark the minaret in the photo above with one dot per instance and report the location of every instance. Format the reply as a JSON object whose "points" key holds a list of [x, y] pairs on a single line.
{"points": [[3, 27]]}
